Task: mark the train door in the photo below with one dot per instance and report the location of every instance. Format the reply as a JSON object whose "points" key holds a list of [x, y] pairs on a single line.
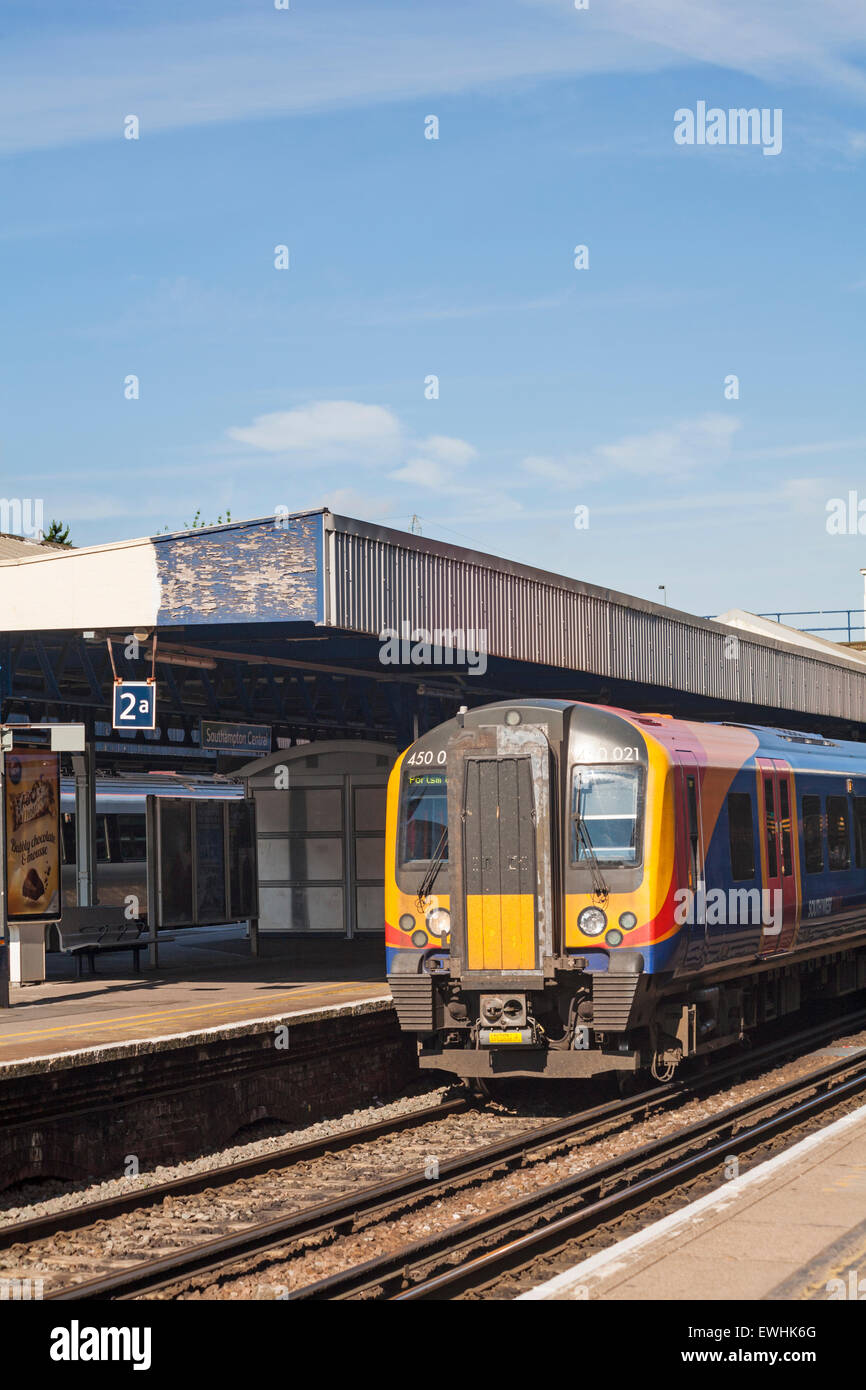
{"points": [[779, 856], [499, 854], [503, 918], [692, 842]]}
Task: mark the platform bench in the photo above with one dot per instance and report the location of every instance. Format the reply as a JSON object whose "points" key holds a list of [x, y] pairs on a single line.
{"points": [[86, 932]]}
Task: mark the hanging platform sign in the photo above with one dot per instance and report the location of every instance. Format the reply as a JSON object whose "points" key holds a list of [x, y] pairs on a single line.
{"points": [[134, 705]]}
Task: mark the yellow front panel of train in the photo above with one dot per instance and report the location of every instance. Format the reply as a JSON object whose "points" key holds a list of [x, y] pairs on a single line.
{"points": [[500, 931], [499, 846]]}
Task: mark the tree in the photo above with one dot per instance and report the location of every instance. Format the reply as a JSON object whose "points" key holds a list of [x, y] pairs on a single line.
{"points": [[58, 533]]}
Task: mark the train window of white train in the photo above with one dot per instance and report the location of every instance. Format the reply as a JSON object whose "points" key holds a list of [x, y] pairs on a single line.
{"points": [[67, 838], [103, 854], [837, 832], [131, 839], [741, 833], [813, 839]]}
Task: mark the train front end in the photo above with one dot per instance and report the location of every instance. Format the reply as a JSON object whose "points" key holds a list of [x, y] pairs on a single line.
{"points": [[529, 891]]}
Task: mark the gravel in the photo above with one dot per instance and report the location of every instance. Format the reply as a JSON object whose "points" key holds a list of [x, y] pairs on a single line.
{"points": [[49, 1195]]}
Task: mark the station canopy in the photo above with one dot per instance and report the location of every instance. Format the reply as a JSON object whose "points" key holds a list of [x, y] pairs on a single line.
{"points": [[320, 626]]}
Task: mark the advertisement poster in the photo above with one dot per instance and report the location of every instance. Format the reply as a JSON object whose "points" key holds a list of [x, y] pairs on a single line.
{"points": [[33, 836]]}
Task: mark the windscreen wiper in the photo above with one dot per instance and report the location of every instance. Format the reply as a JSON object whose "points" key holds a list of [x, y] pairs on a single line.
{"points": [[435, 865], [599, 887]]}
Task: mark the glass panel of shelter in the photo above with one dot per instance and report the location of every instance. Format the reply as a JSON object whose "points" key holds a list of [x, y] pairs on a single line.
{"points": [[367, 839]]}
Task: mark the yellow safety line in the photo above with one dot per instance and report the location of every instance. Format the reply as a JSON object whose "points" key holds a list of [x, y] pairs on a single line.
{"points": [[176, 1012]]}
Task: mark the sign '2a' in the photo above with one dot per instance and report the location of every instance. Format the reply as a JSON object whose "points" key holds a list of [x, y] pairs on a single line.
{"points": [[134, 705]]}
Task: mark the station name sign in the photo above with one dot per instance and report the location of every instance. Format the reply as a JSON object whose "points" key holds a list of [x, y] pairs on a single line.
{"points": [[217, 737]]}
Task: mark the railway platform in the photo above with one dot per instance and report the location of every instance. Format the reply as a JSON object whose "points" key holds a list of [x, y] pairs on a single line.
{"points": [[790, 1229], [175, 1061], [207, 980]]}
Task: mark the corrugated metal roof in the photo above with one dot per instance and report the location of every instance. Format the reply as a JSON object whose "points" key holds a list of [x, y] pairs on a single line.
{"points": [[381, 578], [347, 575]]}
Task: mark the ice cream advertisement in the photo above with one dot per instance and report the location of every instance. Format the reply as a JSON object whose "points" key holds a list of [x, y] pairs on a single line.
{"points": [[32, 836]]}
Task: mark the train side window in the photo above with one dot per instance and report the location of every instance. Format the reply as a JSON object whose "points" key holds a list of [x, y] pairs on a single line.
{"points": [[770, 807], [67, 837], [741, 835], [813, 839], [103, 853], [785, 826], [837, 832], [860, 831], [694, 830], [131, 838]]}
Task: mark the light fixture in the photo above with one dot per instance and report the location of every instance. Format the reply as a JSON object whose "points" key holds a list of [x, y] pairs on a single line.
{"points": [[592, 921], [438, 921]]}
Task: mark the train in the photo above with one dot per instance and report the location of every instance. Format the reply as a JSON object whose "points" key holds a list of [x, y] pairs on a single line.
{"points": [[576, 889], [121, 839]]}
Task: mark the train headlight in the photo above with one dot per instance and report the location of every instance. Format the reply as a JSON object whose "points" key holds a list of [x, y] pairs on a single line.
{"points": [[627, 921], [438, 921], [614, 937], [592, 921], [407, 922], [419, 938]]}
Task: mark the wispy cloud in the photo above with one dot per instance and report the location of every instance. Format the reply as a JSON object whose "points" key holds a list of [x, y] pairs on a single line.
{"points": [[365, 436], [80, 85], [683, 448], [63, 87], [438, 464], [326, 431]]}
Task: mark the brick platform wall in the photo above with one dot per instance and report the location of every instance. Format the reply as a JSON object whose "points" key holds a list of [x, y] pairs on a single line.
{"points": [[163, 1103]]}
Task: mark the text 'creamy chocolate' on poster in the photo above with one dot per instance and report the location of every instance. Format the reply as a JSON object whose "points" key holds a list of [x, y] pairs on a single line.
{"points": [[33, 835]]}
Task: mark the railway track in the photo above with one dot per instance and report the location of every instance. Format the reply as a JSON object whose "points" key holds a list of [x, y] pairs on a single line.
{"points": [[517, 1250], [388, 1275]]}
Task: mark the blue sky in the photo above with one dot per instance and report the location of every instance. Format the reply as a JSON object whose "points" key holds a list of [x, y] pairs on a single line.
{"points": [[411, 257]]}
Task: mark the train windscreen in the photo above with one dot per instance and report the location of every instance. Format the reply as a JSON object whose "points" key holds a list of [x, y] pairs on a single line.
{"points": [[607, 804], [424, 815]]}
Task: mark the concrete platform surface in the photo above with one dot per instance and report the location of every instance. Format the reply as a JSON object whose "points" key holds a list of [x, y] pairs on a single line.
{"points": [[207, 982], [791, 1228]]}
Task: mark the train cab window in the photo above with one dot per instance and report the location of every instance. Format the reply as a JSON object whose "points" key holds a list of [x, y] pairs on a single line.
{"points": [[772, 842], [838, 841], [741, 836], [785, 827], [860, 831], [425, 818], [606, 819], [813, 839]]}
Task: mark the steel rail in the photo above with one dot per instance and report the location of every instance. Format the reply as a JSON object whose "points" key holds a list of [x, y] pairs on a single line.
{"points": [[88, 1213], [542, 1210], [328, 1218]]}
